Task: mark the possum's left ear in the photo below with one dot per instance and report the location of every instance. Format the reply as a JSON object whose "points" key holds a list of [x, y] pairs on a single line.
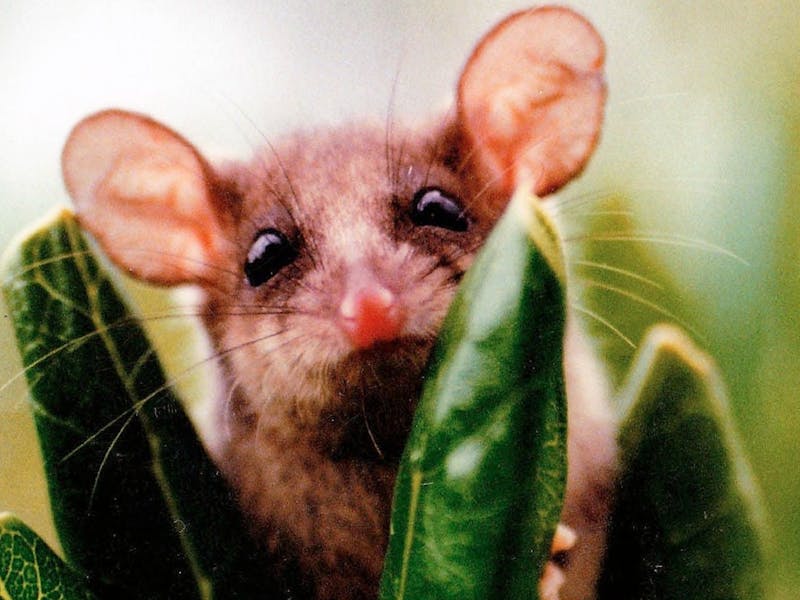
{"points": [[147, 196], [530, 100]]}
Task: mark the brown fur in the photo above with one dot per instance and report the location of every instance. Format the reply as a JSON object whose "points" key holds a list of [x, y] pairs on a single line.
{"points": [[314, 431], [311, 425]]}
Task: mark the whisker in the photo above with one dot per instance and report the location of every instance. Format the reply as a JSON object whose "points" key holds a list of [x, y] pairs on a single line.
{"points": [[304, 231], [399, 161], [391, 178], [569, 203], [366, 419], [137, 406], [566, 204], [139, 365], [42, 263], [178, 312], [263, 174], [298, 223], [284, 343], [227, 411], [181, 258], [448, 259], [105, 458], [32, 267], [486, 188], [499, 176], [435, 151], [73, 342], [643, 301], [603, 321], [658, 238], [465, 160], [172, 381], [299, 408], [619, 271]]}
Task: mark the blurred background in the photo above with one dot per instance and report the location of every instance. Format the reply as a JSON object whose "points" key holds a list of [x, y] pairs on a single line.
{"points": [[698, 164]]}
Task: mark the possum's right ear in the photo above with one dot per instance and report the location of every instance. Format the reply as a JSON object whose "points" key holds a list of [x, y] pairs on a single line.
{"points": [[530, 100], [145, 194]]}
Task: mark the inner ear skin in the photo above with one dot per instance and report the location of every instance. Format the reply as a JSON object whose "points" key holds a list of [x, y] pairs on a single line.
{"points": [[148, 196], [530, 101]]}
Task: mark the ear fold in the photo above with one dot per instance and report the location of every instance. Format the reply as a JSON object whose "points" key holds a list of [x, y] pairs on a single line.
{"points": [[144, 193], [530, 100]]}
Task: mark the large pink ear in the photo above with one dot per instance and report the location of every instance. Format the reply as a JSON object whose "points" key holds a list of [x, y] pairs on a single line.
{"points": [[145, 194], [530, 100]]}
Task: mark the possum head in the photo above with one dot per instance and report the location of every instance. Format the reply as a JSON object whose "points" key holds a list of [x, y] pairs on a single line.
{"points": [[329, 260]]}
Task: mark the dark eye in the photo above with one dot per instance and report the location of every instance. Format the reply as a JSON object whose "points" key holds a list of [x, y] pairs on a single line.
{"points": [[432, 206], [270, 252]]}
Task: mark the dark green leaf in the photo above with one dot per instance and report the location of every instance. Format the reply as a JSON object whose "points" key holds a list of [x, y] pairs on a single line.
{"points": [[686, 524], [481, 483], [137, 503], [30, 570]]}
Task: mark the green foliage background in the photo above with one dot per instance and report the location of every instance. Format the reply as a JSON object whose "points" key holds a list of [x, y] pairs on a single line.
{"points": [[702, 140]]}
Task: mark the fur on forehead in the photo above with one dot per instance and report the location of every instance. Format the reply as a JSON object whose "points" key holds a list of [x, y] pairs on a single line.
{"points": [[348, 173]]}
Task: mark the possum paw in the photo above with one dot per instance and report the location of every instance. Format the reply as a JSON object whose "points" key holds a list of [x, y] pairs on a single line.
{"points": [[553, 575]]}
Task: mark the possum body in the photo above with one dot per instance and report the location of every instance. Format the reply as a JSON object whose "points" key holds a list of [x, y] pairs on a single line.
{"points": [[327, 264]]}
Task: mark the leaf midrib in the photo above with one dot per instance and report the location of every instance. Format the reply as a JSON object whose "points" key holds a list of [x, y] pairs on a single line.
{"points": [[204, 588]]}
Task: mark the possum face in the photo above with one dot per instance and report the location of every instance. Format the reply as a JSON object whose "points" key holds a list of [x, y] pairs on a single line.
{"points": [[347, 249], [329, 261]]}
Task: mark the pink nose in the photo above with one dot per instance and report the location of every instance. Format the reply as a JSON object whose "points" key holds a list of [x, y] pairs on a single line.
{"points": [[371, 314]]}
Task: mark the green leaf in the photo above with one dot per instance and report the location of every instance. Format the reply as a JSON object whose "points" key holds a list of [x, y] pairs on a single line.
{"points": [[687, 523], [137, 503], [481, 482], [619, 287], [30, 570]]}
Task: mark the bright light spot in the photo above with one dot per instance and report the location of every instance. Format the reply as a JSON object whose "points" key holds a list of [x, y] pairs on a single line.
{"points": [[464, 460]]}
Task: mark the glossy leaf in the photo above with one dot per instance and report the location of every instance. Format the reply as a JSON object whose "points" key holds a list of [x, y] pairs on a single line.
{"points": [[30, 570], [137, 503], [481, 482], [687, 523]]}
